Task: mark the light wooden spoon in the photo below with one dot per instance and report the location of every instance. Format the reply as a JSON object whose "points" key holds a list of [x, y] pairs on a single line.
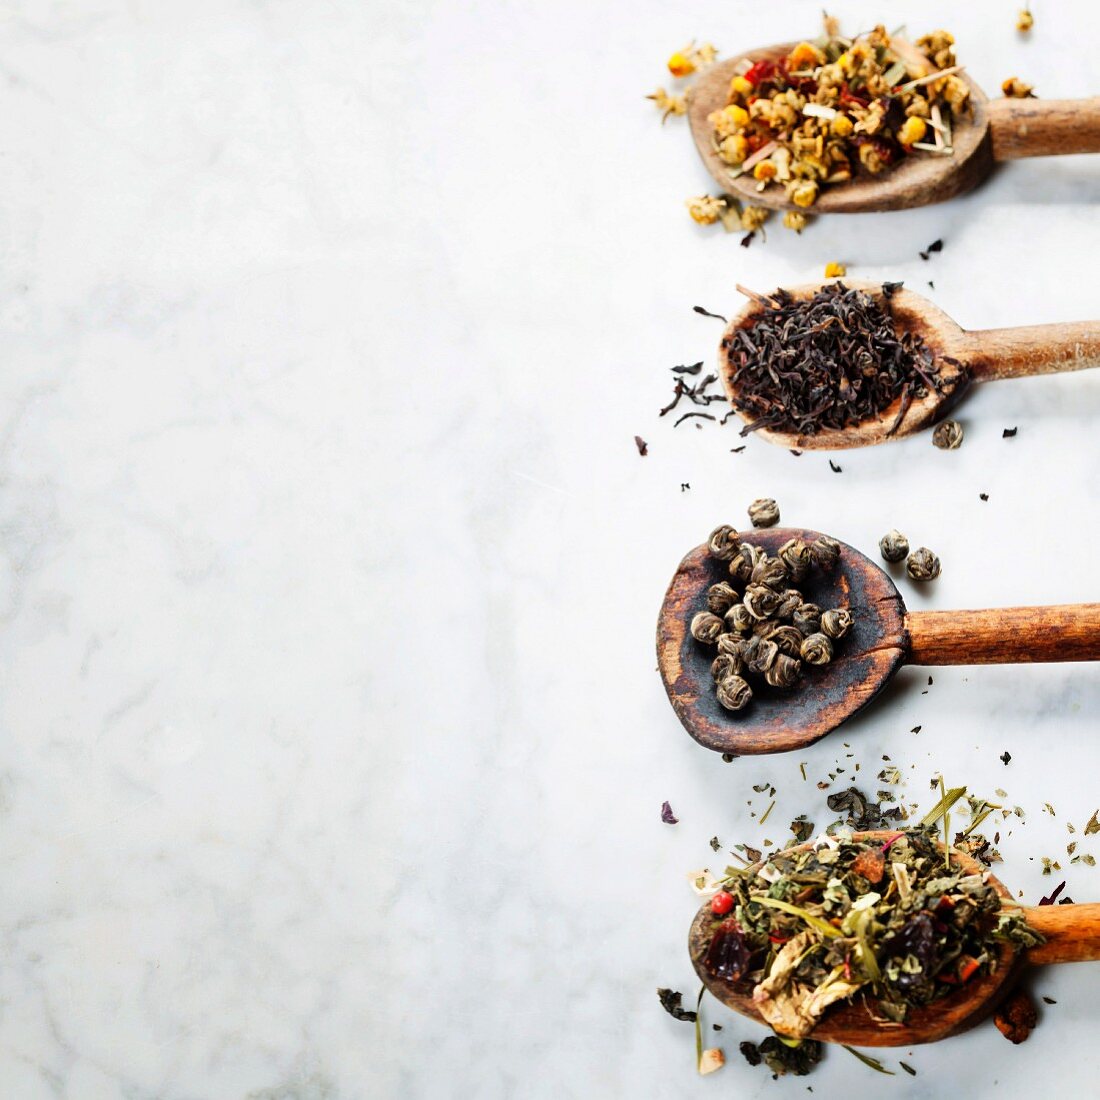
{"points": [[995, 130], [982, 355], [1072, 934], [884, 636]]}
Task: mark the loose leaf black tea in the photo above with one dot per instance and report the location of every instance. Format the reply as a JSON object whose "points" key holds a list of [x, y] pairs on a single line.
{"points": [[667, 816], [642, 445], [829, 362], [671, 1002]]}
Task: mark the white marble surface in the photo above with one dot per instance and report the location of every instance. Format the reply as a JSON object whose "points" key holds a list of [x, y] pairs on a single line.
{"points": [[332, 746]]}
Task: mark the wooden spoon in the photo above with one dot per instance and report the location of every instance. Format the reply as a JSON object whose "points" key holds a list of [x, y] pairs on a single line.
{"points": [[1072, 934], [982, 356], [997, 130], [884, 636]]}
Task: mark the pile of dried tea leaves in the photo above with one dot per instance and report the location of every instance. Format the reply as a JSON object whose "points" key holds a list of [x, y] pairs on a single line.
{"points": [[828, 362], [764, 629], [816, 925], [839, 107]]}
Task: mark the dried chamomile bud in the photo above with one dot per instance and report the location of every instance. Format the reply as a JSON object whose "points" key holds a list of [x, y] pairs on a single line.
{"points": [[817, 649], [763, 656], [1015, 88], [825, 552], [706, 627], [795, 555], [761, 601], [743, 563], [739, 619], [893, 546], [790, 600], [922, 565], [772, 572], [764, 512], [721, 597], [723, 542], [785, 673], [787, 638], [734, 693], [731, 644], [836, 623], [1024, 20], [726, 665], [948, 435], [807, 619]]}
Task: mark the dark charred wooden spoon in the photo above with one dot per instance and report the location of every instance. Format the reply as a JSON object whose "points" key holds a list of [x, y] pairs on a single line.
{"points": [[995, 130], [1072, 934], [979, 356], [884, 636]]}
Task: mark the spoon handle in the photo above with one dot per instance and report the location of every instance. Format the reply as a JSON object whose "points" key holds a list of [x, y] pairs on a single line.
{"points": [[1072, 933], [1034, 349], [1004, 635], [1043, 127]]}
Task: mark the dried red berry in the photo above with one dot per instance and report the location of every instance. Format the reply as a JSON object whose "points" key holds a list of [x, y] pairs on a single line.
{"points": [[721, 903]]}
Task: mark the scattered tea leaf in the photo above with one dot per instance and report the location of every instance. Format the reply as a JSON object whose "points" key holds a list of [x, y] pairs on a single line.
{"points": [[834, 467], [1008, 433], [935, 246], [874, 1063], [693, 368], [908, 1068], [671, 1002], [667, 816], [642, 445], [707, 313], [1005, 758]]}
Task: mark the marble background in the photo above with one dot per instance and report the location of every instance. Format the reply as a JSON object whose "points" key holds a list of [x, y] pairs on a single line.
{"points": [[332, 746]]}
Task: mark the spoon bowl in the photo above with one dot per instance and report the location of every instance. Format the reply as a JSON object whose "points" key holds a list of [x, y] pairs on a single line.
{"points": [[883, 637], [855, 1021], [960, 357], [994, 130]]}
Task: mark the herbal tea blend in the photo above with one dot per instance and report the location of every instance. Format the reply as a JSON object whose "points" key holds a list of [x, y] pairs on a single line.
{"points": [[894, 920], [828, 362], [759, 622], [838, 107]]}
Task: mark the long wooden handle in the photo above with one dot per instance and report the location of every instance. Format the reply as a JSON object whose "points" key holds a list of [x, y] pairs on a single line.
{"points": [[1005, 635], [1034, 349], [1072, 933], [1043, 127]]}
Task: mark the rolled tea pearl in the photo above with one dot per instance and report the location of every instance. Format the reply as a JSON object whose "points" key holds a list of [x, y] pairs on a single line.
{"points": [[723, 542], [763, 656], [739, 620], [836, 623], [760, 600], [807, 619], [732, 644], [785, 673], [706, 627], [825, 552], [726, 664], [721, 597], [787, 638], [742, 564], [893, 546], [734, 693], [922, 565], [817, 649], [790, 600], [764, 512], [772, 572], [795, 555], [948, 435], [764, 627]]}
